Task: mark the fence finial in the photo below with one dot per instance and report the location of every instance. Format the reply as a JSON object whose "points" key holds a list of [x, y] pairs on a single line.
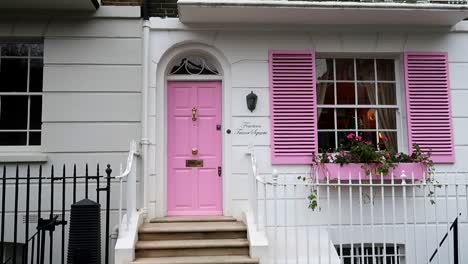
{"points": [[275, 176], [403, 177], [108, 170]]}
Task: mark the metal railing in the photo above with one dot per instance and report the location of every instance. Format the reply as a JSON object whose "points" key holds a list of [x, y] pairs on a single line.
{"points": [[362, 219], [131, 193], [39, 195]]}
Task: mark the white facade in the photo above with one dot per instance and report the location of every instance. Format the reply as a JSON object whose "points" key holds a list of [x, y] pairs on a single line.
{"points": [[243, 57], [93, 79], [241, 54], [90, 102]]}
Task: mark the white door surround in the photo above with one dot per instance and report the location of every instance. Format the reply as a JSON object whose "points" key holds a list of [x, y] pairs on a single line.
{"points": [[158, 149]]}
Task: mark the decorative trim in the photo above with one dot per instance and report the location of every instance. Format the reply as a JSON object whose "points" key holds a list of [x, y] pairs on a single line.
{"points": [[23, 157]]}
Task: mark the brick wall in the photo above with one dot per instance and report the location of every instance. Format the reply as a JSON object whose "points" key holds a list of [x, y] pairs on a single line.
{"points": [[163, 8], [122, 2]]}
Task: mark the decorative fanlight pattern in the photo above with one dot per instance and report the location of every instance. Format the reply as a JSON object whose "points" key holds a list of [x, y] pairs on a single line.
{"points": [[194, 65]]}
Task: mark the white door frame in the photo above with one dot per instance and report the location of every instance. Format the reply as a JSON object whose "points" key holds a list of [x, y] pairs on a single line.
{"points": [[158, 173]]}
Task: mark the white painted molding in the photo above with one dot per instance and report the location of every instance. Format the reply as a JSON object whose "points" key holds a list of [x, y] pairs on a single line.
{"points": [[118, 11], [157, 23], [257, 239], [160, 130], [128, 236], [194, 78], [9, 157]]}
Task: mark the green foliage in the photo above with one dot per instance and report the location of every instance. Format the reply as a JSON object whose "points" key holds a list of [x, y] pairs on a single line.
{"points": [[376, 161], [355, 150]]}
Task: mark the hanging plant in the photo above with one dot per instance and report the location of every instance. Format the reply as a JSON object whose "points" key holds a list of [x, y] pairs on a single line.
{"points": [[356, 154]]}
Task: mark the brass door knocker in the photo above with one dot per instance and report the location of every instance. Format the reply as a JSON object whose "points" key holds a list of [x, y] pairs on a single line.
{"points": [[194, 114]]}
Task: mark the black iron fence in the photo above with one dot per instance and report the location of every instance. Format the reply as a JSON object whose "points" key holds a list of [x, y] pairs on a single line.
{"points": [[40, 208]]}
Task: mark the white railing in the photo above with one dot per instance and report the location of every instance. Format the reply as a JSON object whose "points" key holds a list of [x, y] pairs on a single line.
{"points": [[253, 184], [130, 175], [368, 220]]}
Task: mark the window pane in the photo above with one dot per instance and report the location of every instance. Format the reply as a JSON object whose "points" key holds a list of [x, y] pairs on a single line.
{"points": [[14, 112], [35, 75], [37, 50], [365, 69], [385, 70], [387, 94], [388, 140], [324, 69], [13, 75], [35, 138], [325, 93], [326, 118], [345, 93], [12, 138], [13, 49], [342, 136], [366, 93], [326, 141], [345, 118], [369, 136], [387, 118], [35, 112], [366, 118], [344, 69]]}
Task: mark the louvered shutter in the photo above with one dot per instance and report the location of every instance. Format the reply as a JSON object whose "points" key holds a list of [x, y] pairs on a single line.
{"points": [[428, 104], [292, 107]]}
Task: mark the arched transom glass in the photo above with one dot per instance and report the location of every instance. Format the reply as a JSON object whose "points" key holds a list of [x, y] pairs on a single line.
{"points": [[193, 65]]}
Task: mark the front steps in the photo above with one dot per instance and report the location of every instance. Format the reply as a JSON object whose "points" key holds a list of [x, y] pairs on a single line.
{"points": [[193, 240]]}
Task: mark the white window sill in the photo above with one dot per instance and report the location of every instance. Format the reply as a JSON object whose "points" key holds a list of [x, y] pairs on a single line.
{"points": [[23, 157]]}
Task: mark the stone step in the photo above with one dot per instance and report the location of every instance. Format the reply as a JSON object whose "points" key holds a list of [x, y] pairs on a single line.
{"points": [[192, 227], [183, 219], [192, 230], [198, 260], [197, 243], [171, 248]]}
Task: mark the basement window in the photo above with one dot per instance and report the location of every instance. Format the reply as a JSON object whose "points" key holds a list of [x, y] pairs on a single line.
{"points": [[372, 254]]}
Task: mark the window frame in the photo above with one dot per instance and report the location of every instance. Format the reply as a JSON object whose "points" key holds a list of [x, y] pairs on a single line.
{"points": [[401, 121], [20, 149]]}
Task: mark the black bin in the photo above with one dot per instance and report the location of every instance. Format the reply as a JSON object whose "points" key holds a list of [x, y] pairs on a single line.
{"points": [[84, 240]]}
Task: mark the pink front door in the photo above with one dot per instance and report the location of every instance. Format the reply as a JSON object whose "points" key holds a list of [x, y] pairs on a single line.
{"points": [[194, 148]]}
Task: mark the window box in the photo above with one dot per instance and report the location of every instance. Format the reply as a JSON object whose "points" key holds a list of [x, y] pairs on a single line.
{"points": [[356, 170]]}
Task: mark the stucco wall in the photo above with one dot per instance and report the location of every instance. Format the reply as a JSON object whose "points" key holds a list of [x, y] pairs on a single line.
{"points": [[91, 101], [246, 52], [92, 83]]}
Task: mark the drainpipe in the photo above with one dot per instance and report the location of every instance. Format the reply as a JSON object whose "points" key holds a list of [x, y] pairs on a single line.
{"points": [[144, 105]]}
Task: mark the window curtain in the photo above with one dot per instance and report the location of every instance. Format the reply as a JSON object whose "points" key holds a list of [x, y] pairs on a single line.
{"points": [[386, 118]]}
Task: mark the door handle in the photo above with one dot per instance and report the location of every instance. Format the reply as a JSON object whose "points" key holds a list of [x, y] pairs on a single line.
{"points": [[220, 170], [194, 114]]}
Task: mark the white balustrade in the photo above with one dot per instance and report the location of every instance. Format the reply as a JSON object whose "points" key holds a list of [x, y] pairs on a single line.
{"points": [[362, 219], [130, 174]]}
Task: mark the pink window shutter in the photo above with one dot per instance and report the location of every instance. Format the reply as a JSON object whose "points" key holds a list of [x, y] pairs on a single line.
{"points": [[428, 104], [293, 107]]}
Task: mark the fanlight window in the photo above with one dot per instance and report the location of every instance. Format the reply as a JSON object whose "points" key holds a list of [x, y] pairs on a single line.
{"points": [[194, 65]]}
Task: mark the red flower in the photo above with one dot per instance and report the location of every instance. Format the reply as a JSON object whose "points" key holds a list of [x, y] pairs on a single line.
{"points": [[358, 137], [350, 135], [367, 142]]}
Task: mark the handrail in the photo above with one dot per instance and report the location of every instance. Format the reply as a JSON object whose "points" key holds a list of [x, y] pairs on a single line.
{"points": [[453, 227], [253, 186], [130, 174], [132, 152], [253, 199]]}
